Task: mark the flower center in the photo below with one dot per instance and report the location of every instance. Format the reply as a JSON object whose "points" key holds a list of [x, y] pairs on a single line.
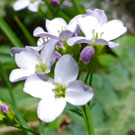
{"points": [[32, 1], [40, 67], [96, 35], [42, 40], [62, 29], [59, 90]]}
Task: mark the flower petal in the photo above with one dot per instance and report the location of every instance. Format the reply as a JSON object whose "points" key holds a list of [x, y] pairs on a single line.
{"points": [[27, 58], [34, 6], [15, 50], [113, 29], [20, 4], [56, 26], [113, 44], [73, 24], [76, 40], [99, 14], [39, 32], [65, 35], [77, 93], [50, 108], [39, 86], [19, 74], [66, 70], [87, 25], [48, 53]]}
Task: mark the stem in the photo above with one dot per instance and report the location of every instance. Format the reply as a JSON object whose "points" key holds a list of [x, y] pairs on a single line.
{"points": [[88, 119]]}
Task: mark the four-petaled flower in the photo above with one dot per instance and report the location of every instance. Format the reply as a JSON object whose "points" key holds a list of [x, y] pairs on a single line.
{"points": [[97, 29], [30, 61], [32, 5], [54, 93]]}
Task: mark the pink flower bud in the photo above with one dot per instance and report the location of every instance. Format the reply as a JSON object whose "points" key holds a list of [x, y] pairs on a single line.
{"points": [[87, 53], [54, 2], [4, 108], [58, 55]]}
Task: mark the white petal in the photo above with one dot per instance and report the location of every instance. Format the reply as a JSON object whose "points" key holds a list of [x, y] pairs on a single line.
{"points": [[49, 109], [66, 70], [99, 14], [77, 93], [75, 40], [65, 35], [87, 25], [48, 53], [73, 24], [27, 58], [19, 74], [113, 29], [38, 31], [34, 6], [113, 44], [39, 87], [56, 26], [20, 4]]}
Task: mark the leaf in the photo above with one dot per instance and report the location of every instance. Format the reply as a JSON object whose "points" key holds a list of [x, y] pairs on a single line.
{"points": [[9, 33]]}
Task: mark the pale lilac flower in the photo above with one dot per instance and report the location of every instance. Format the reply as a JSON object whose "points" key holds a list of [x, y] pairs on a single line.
{"points": [[87, 53], [98, 30], [58, 55], [32, 5], [30, 61], [54, 93], [4, 108], [58, 29]]}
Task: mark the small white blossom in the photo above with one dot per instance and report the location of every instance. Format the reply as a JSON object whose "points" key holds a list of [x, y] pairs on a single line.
{"points": [[30, 61], [98, 30], [32, 5], [57, 29], [54, 93]]}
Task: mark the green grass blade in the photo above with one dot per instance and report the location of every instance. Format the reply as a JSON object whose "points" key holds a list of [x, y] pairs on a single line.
{"points": [[27, 34], [9, 33]]}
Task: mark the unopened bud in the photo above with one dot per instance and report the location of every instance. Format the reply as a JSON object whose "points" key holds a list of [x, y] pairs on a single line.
{"points": [[58, 55], [54, 2], [4, 108], [87, 53]]}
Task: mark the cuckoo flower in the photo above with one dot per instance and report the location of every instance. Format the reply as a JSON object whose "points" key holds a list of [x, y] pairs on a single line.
{"points": [[58, 29], [32, 5], [30, 62], [98, 30], [54, 93]]}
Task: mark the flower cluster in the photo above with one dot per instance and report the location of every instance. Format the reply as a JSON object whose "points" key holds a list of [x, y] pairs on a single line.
{"points": [[60, 84]]}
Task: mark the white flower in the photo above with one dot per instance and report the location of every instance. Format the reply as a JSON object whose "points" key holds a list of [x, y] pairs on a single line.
{"points": [[32, 5], [54, 93], [30, 61], [98, 30], [58, 29]]}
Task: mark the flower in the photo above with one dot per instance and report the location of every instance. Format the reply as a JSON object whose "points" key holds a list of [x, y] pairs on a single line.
{"points": [[58, 29], [87, 53], [54, 93], [32, 5], [30, 61], [97, 29]]}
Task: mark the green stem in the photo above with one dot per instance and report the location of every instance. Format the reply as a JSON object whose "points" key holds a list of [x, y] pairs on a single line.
{"points": [[88, 119]]}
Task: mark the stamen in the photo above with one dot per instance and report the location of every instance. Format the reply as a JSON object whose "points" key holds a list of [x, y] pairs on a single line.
{"points": [[40, 67], [59, 90]]}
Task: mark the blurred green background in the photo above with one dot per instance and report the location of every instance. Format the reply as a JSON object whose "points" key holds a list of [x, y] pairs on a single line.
{"points": [[113, 108]]}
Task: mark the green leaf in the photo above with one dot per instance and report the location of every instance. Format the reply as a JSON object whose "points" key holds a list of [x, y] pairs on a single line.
{"points": [[9, 33]]}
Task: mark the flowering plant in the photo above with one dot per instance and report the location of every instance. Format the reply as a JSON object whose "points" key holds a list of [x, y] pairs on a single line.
{"points": [[58, 71]]}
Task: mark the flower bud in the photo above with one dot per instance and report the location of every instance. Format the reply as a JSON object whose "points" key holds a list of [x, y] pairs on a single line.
{"points": [[87, 54], [58, 55], [54, 2], [4, 108]]}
